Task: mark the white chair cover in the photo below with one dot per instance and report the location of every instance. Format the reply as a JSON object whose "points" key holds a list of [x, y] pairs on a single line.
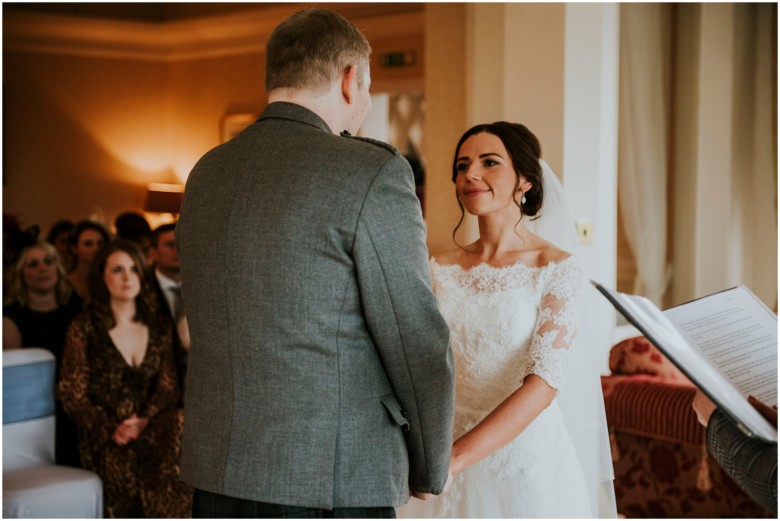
{"points": [[33, 486]]}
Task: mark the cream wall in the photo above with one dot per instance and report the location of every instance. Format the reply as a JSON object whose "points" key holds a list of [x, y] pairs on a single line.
{"points": [[446, 53], [81, 136], [94, 110], [84, 135], [200, 93]]}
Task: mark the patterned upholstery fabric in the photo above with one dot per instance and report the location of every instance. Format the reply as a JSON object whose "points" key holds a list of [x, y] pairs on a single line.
{"points": [[662, 469], [660, 479], [638, 356]]}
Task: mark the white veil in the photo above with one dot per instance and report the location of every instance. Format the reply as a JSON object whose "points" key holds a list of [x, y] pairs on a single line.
{"points": [[580, 400]]}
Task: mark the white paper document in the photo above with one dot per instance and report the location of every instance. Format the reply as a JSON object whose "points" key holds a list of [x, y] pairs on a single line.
{"points": [[726, 343], [738, 333]]}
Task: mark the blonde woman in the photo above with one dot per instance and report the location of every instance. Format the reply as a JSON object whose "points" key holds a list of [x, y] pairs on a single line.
{"points": [[39, 308]]}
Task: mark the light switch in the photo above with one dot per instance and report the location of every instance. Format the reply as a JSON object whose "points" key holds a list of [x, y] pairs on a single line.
{"points": [[585, 231]]}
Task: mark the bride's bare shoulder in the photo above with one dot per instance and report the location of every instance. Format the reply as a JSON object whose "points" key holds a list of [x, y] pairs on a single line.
{"points": [[551, 253], [448, 257]]}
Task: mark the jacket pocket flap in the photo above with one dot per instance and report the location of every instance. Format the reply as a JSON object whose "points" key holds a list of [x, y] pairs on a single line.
{"points": [[394, 408]]}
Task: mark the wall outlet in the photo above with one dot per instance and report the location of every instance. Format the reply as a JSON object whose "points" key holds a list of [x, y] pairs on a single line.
{"points": [[584, 231]]}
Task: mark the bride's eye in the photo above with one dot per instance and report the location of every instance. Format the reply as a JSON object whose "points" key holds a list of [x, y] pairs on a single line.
{"points": [[462, 167], [489, 162]]}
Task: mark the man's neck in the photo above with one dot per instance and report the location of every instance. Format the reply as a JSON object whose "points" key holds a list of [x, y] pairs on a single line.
{"points": [[325, 104], [174, 276]]}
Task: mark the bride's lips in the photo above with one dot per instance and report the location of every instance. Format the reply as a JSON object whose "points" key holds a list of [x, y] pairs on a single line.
{"points": [[475, 191]]}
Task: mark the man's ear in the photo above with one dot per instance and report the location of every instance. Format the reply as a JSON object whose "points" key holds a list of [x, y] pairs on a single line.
{"points": [[348, 82]]}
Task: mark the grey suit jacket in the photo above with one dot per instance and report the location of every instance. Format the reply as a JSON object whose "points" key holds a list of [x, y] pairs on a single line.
{"points": [[320, 372], [750, 461]]}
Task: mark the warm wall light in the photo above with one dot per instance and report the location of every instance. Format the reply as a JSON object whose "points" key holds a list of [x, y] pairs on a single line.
{"points": [[164, 198]]}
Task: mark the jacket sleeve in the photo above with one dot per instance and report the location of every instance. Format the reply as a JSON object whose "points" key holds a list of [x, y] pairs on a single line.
{"points": [[751, 462], [402, 315]]}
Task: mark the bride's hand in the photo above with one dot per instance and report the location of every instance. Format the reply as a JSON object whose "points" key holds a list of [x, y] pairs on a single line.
{"points": [[425, 496]]}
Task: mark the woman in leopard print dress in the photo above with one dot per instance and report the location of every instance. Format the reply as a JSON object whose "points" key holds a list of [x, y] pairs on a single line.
{"points": [[118, 382]]}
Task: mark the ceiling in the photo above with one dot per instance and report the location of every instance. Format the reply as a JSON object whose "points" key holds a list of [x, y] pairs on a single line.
{"points": [[162, 12]]}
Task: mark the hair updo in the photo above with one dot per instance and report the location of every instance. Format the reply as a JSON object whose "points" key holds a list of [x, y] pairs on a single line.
{"points": [[524, 150]]}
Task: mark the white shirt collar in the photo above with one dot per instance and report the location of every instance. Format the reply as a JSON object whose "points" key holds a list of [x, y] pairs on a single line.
{"points": [[166, 283]]}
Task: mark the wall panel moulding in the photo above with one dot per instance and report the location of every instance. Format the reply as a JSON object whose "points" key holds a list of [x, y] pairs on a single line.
{"points": [[213, 36]]}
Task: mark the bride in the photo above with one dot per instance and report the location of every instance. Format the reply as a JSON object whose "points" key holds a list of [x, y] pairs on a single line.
{"points": [[526, 446]]}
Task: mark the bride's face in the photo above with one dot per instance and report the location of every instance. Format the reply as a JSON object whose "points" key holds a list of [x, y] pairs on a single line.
{"points": [[486, 178]]}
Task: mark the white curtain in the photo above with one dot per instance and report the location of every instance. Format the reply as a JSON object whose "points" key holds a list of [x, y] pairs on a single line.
{"points": [[643, 130], [754, 172]]}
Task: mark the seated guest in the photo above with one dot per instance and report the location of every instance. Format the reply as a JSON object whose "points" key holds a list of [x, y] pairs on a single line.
{"points": [[167, 281], [14, 239], [118, 382], [134, 227], [85, 241], [750, 461], [59, 236], [39, 308]]}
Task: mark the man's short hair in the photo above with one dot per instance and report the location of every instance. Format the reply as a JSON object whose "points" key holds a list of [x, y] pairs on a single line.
{"points": [[132, 226], [310, 48], [167, 227]]}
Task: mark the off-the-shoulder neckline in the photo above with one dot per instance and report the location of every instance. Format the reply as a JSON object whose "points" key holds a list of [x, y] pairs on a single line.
{"points": [[485, 265]]}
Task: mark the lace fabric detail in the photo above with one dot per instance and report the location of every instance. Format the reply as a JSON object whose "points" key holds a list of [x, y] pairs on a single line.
{"points": [[519, 317], [485, 278], [506, 463], [505, 324]]}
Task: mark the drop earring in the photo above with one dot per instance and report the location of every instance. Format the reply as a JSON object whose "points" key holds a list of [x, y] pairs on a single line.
{"points": [[522, 199]]}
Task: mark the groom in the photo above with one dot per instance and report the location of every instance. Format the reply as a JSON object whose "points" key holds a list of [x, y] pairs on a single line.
{"points": [[320, 379]]}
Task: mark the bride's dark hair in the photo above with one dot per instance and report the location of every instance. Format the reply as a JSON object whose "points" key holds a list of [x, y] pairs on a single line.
{"points": [[524, 150]]}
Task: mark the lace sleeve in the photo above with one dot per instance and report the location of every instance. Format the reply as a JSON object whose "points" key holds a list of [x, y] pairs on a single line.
{"points": [[557, 323]]}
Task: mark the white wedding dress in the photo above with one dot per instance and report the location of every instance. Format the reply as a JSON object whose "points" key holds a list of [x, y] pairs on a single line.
{"points": [[507, 323]]}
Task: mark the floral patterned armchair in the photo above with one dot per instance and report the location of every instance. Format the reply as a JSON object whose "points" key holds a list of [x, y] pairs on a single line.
{"points": [[662, 469]]}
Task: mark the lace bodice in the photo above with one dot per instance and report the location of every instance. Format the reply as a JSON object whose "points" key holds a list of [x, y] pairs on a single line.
{"points": [[510, 322], [505, 324]]}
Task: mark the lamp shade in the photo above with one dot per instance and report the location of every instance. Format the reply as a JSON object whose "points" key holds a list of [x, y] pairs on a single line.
{"points": [[164, 198]]}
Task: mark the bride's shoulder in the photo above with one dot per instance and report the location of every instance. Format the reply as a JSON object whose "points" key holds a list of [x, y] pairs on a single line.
{"points": [[447, 257], [551, 254], [565, 269], [564, 264]]}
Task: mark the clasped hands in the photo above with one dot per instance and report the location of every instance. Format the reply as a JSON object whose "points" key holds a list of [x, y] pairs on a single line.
{"points": [[129, 430]]}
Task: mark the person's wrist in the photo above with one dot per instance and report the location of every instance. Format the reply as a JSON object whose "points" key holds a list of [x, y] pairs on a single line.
{"points": [[703, 407], [457, 463]]}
